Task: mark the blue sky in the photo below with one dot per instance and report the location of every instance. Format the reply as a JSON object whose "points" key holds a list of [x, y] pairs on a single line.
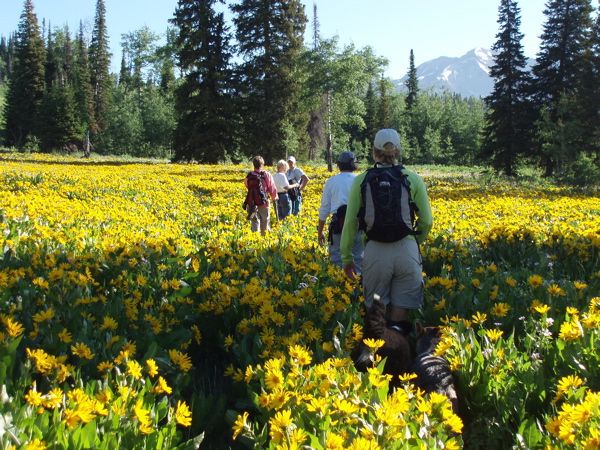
{"points": [[432, 28]]}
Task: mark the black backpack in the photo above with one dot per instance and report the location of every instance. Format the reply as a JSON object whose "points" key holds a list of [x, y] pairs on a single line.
{"points": [[387, 213], [256, 195]]}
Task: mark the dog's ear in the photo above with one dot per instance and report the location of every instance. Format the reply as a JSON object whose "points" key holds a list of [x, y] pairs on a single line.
{"points": [[419, 329]]}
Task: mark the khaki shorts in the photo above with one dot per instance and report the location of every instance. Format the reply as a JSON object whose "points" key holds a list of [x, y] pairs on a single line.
{"points": [[394, 271], [261, 219]]}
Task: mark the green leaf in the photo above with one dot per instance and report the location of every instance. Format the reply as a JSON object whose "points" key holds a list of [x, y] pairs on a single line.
{"points": [[529, 434], [88, 434], [192, 444]]}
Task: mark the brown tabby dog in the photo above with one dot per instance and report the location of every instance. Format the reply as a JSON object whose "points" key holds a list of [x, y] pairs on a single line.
{"points": [[396, 348], [433, 372]]}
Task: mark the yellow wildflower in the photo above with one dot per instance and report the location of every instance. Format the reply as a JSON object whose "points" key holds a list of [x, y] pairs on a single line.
{"points": [[36, 444], [556, 291], [151, 367], [13, 328], [162, 387], [65, 336], [182, 360], [183, 415], [240, 425], [82, 350], [134, 369], [33, 397], [535, 280], [494, 334], [374, 344], [500, 309]]}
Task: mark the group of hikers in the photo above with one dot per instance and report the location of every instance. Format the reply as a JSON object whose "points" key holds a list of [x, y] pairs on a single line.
{"points": [[378, 220]]}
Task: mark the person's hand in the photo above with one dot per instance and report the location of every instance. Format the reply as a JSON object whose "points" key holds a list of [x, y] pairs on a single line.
{"points": [[350, 271], [321, 238]]}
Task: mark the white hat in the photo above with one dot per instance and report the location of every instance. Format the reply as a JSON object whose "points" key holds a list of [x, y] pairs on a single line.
{"points": [[292, 159], [384, 136]]}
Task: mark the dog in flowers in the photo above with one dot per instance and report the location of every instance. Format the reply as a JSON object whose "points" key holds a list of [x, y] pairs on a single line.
{"points": [[433, 372], [396, 348]]}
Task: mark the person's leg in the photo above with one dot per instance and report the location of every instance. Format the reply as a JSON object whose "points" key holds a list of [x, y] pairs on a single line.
{"points": [[357, 251], [377, 272], [335, 255], [254, 221], [280, 207], [407, 284], [286, 206], [264, 217]]}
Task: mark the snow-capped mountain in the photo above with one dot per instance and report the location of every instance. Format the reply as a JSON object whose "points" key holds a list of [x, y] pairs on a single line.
{"points": [[467, 75]]}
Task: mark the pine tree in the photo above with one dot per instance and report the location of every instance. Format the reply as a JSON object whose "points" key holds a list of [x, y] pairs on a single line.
{"points": [[206, 124], [270, 39], [3, 60], [384, 113], [589, 94], [412, 83], [59, 128], [508, 123], [558, 77], [124, 73], [50, 68], [66, 67], [317, 114], [370, 117], [26, 88], [82, 87], [99, 60]]}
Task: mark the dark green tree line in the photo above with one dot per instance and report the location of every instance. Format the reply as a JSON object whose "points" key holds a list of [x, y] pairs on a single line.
{"points": [[507, 133], [27, 81], [206, 119], [269, 38], [558, 76]]}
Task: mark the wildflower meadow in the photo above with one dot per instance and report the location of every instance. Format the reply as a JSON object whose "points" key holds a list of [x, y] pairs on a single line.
{"points": [[138, 311]]}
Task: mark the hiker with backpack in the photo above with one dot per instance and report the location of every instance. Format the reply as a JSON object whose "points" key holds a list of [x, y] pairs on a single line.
{"points": [[389, 203], [261, 190], [284, 204], [333, 203], [297, 176]]}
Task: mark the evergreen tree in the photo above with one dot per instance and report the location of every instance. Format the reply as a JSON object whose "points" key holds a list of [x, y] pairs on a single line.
{"points": [[558, 77], [589, 94], [99, 60], [3, 60], [270, 39], [26, 88], [58, 128], [124, 73], [508, 124], [65, 75], [412, 83], [370, 118], [82, 87], [384, 116], [318, 110], [51, 66], [205, 124]]}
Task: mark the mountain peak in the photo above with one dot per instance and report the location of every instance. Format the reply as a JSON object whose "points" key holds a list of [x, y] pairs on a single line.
{"points": [[467, 75]]}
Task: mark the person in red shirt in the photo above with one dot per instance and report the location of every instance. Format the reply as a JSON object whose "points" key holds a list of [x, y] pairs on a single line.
{"points": [[259, 214]]}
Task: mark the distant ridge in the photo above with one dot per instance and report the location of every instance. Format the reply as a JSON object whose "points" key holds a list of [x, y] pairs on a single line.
{"points": [[467, 75]]}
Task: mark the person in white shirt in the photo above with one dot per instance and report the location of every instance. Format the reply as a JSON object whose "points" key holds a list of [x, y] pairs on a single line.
{"points": [[296, 176], [284, 203], [333, 203]]}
